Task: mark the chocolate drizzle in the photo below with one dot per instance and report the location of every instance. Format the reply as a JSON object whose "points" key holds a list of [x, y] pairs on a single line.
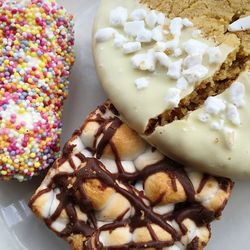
{"points": [[72, 193]]}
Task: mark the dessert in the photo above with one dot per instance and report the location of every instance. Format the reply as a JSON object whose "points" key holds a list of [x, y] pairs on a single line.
{"points": [[36, 57], [178, 72], [112, 190]]}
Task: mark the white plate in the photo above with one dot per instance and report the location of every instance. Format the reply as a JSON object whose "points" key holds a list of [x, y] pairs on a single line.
{"points": [[20, 230]]}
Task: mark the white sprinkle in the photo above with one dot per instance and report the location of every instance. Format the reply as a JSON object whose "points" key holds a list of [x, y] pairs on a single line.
{"points": [[172, 97], [192, 60], [237, 94], [161, 18], [240, 25], [187, 23], [119, 40], [151, 19], [177, 52], [214, 105], [133, 28], [118, 16], [195, 74], [233, 114], [174, 69], [144, 36], [217, 125], [131, 47], [104, 34], [182, 83], [214, 55], [229, 135], [157, 34], [138, 14], [176, 26], [145, 61], [141, 83], [163, 59], [204, 117], [195, 47]]}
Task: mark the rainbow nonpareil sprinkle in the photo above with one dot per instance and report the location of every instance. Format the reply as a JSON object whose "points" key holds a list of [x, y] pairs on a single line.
{"points": [[36, 54]]}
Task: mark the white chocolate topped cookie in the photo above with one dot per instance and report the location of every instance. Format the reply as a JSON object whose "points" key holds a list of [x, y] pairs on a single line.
{"points": [[180, 80], [111, 190]]}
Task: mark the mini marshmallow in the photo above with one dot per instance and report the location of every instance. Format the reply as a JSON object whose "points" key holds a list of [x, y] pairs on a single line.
{"points": [[237, 94], [131, 47], [119, 40], [182, 83], [233, 114], [173, 44], [204, 117], [118, 16], [151, 19], [163, 59], [192, 60], [161, 18], [187, 23], [240, 25], [177, 52], [141, 83], [214, 105], [157, 34], [217, 125], [144, 36], [133, 28], [104, 34], [195, 47], [214, 55], [174, 69], [172, 97], [176, 26], [138, 14], [195, 74]]}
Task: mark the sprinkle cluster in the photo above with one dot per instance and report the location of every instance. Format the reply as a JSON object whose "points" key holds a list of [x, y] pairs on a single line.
{"points": [[36, 53]]}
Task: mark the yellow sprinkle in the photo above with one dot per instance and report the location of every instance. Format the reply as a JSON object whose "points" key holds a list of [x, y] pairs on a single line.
{"points": [[4, 172], [37, 164]]}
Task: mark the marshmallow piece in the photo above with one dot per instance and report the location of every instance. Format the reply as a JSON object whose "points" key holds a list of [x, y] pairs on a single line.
{"points": [[204, 117], [163, 209], [118, 16], [105, 34], [240, 25], [144, 36], [176, 26], [141, 83], [131, 47], [182, 83], [214, 105], [233, 114], [192, 60], [172, 45], [119, 40], [134, 27], [157, 34], [174, 69], [163, 59], [138, 14], [151, 19], [144, 61], [187, 23], [237, 94], [229, 135], [195, 74], [195, 47], [217, 125], [177, 52], [214, 55], [172, 97], [161, 18]]}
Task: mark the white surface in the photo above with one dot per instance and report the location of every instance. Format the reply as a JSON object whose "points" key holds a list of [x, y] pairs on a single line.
{"points": [[20, 230]]}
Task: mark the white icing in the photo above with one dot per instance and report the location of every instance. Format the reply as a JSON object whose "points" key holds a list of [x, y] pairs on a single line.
{"points": [[240, 24], [229, 135]]}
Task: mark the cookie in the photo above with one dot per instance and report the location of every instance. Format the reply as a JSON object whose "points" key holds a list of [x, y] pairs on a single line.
{"points": [[36, 57], [162, 63], [112, 190]]}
